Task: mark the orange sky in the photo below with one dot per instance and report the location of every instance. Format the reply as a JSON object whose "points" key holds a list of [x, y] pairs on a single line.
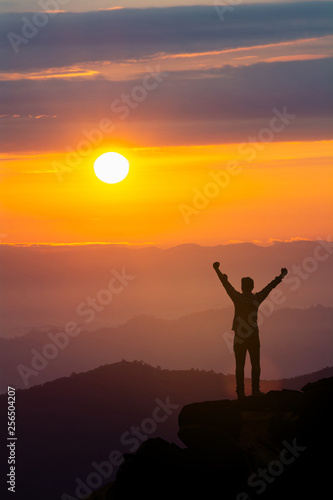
{"points": [[207, 194], [195, 174]]}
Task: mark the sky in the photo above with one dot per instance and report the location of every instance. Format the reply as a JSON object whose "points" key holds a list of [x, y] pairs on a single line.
{"points": [[223, 111]]}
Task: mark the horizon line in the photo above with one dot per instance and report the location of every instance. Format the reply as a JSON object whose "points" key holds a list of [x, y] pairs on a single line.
{"points": [[260, 243]]}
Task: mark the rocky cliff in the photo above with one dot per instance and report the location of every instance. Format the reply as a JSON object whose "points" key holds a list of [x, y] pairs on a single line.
{"points": [[270, 447]]}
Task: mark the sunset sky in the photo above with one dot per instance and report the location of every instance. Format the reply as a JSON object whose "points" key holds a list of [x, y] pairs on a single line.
{"points": [[224, 113]]}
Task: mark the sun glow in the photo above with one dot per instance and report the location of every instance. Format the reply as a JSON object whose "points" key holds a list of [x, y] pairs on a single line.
{"points": [[111, 168], [175, 180]]}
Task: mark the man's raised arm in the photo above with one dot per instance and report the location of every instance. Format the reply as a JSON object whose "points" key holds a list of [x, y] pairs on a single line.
{"points": [[265, 291], [224, 280]]}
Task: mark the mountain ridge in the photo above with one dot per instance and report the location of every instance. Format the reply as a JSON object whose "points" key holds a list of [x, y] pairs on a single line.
{"points": [[46, 285], [86, 417], [200, 340]]}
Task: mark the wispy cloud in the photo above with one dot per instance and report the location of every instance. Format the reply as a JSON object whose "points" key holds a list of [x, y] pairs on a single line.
{"points": [[231, 92], [213, 104], [111, 8], [27, 117], [86, 5], [51, 73], [124, 34], [234, 50], [224, 77]]}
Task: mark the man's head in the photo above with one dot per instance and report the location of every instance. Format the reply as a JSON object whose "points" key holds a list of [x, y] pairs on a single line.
{"points": [[247, 285]]}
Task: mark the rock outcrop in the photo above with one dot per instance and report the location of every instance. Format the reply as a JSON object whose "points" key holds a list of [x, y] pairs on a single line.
{"points": [[270, 447]]}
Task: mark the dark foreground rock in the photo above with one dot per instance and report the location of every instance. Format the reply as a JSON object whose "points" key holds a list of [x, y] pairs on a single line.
{"points": [[277, 446]]}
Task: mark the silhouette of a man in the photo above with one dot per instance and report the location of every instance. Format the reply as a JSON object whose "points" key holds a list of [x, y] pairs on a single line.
{"points": [[245, 326]]}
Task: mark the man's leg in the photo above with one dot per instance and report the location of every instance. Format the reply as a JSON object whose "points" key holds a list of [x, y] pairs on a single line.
{"points": [[254, 351], [240, 355]]}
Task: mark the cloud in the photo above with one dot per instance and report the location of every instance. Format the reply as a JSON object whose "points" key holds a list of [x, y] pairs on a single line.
{"points": [[231, 92], [68, 72], [122, 34], [86, 5], [208, 104], [196, 106]]}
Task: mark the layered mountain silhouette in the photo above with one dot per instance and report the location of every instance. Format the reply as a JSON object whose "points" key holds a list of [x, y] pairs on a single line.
{"points": [[73, 432], [44, 285], [294, 341], [273, 446]]}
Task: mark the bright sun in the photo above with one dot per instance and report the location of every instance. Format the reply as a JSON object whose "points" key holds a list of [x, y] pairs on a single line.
{"points": [[111, 168]]}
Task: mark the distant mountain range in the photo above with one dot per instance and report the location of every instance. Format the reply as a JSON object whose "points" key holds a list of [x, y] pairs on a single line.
{"points": [[68, 310], [52, 285], [294, 341], [73, 427]]}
